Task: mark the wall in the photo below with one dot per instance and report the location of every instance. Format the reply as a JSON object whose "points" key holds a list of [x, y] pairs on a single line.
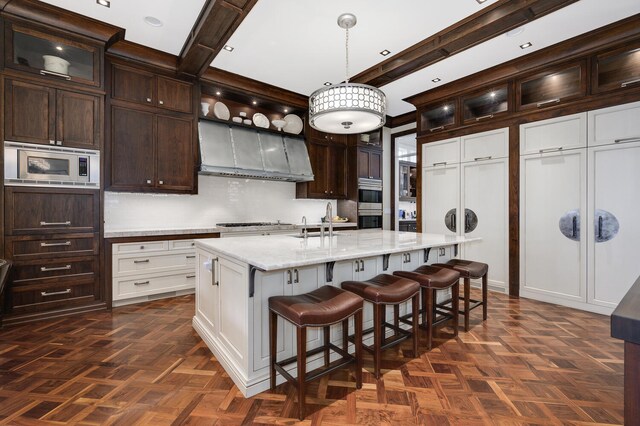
{"points": [[218, 200], [387, 179]]}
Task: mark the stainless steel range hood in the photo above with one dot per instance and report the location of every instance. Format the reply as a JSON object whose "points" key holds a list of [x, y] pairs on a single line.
{"points": [[227, 150]]}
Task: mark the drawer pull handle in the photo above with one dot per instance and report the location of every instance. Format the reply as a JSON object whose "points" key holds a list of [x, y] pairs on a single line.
{"points": [[441, 163], [550, 149], [141, 283], [141, 261], [484, 117], [482, 158], [57, 268], [550, 101], [627, 83], [55, 293], [56, 74], [433, 129], [66, 243], [191, 276], [636, 139], [191, 257], [66, 223]]}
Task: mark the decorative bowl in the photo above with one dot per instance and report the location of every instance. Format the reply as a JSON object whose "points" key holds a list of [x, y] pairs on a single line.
{"points": [[56, 64], [279, 124]]}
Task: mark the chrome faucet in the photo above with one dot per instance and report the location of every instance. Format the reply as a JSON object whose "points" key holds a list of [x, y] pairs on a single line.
{"points": [[329, 216], [304, 229]]}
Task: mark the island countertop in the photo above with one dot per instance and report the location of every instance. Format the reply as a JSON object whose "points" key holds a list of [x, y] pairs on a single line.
{"points": [[285, 251]]}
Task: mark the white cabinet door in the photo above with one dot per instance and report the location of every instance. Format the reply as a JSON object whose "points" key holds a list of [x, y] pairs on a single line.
{"points": [[233, 296], [616, 124], [207, 291], [553, 197], [613, 225], [485, 203], [485, 146], [441, 152], [562, 133], [441, 199]]}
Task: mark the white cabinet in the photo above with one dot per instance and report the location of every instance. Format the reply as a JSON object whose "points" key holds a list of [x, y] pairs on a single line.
{"points": [[556, 134], [613, 225], [207, 291], [441, 153], [618, 124], [471, 198], [152, 268], [552, 220]]}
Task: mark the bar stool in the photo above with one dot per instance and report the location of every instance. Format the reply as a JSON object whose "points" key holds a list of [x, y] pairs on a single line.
{"points": [[381, 291], [432, 279], [322, 307], [470, 270]]}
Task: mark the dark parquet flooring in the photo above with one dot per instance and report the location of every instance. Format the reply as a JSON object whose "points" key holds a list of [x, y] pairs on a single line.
{"points": [[530, 363]]}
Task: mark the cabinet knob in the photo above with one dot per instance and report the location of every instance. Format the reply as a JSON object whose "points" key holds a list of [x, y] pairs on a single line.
{"points": [[161, 182], [161, 102], [149, 181], [149, 100], [59, 143], [330, 192], [51, 142]]}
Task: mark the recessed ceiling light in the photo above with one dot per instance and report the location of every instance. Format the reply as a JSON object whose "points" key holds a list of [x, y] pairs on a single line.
{"points": [[153, 21], [435, 80], [228, 48], [59, 48], [218, 93], [514, 32], [385, 52], [527, 44], [105, 3], [327, 83], [255, 102]]}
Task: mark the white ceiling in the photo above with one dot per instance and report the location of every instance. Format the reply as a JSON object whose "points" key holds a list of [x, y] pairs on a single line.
{"points": [[297, 45]]}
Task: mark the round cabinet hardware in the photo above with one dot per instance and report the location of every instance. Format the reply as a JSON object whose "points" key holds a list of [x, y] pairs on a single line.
{"points": [[330, 192], [52, 142], [141, 247], [161, 182], [59, 143], [149, 100], [149, 181], [161, 102]]}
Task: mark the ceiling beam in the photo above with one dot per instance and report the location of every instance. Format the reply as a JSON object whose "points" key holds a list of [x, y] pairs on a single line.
{"points": [[217, 22], [483, 25]]}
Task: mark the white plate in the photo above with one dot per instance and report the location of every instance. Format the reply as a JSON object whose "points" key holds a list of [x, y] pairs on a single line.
{"points": [[260, 120], [221, 111], [294, 124]]}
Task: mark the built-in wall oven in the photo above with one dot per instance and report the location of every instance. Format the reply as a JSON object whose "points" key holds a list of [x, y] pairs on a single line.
{"points": [[369, 203], [40, 165]]}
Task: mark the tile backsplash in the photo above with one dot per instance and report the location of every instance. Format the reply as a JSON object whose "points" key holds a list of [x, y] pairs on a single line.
{"points": [[219, 199]]}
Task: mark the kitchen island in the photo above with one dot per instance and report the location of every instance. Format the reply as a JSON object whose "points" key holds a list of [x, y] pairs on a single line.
{"points": [[235, 278]]}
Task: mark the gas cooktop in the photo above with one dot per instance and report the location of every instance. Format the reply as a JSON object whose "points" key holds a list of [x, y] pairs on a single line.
{"points": [[240, 224]]}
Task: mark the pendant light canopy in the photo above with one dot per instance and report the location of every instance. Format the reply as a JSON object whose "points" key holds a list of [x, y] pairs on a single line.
{"points": [[347, 108]]}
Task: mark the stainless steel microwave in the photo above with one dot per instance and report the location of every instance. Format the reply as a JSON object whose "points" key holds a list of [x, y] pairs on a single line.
{"points": [[40, 165]]}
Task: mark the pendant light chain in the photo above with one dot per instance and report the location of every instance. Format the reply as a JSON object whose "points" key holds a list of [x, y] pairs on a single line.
{"points": [[347, 54]]}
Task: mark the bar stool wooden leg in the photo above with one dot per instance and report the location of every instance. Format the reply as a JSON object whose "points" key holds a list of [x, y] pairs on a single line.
{"points": [[301, 334], [455, 305], [414, 327], [326, 344], [429, 309], [273, 333], [396, 315], [345, 335], [358, 347], [467, 297], [423, 292], [378, 330], [485, 284]]}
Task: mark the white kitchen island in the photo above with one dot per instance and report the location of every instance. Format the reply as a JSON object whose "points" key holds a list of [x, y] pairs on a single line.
{"points": [[236, 276]]}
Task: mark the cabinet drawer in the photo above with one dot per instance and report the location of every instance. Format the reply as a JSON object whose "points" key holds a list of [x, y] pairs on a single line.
{"points": [[181, 244], [40, 247], [485, 145], [125, 288], [156, 263], [441, 153], [141, 247], [555, 134], [48, 211], [53, 294], [29, 272]]}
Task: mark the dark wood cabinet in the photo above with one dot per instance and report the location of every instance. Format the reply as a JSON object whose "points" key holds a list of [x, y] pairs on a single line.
{"points": [[328, 162], [371, 139], [485, 105], [438, 117], [313, 134], [552, 86], [150, 152], [369, 163], [146, 88], [40, 114], [616, 69], [26, 247]]}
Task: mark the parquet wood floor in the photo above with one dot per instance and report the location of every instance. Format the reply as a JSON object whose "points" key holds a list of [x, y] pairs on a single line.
{"points": [[530, 363]]}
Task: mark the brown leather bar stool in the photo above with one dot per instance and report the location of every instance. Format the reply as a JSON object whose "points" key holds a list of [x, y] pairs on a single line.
{"points": [[470, 270], [322, 307], [381, 291], [432, 279]]}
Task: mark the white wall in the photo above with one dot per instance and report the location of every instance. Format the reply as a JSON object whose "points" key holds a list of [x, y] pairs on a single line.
{"points": [[218, 200], [387, 179]]}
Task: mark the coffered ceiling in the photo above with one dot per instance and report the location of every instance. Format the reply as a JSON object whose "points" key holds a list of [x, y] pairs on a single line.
{"points": [[297, 45]]}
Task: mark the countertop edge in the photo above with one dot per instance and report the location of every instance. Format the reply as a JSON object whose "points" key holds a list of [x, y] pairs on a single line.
{"points": [[625, 319]]}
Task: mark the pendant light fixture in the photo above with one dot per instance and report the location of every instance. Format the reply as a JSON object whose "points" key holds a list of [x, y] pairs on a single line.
{"points": [[347, 108]]}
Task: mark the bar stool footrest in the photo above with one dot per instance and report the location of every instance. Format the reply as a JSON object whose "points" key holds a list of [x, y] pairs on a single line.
{"points": [[401, 334], [472, 305], [345, 360]]}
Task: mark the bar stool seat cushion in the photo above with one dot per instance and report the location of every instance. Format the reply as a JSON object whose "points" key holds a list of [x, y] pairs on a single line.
{"points": [[431, 276], [467, 268], [325, 305], [383, 288]]}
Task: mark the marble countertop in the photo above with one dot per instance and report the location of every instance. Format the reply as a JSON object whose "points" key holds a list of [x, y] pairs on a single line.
{"points": [[183, 231], [285, 251]]}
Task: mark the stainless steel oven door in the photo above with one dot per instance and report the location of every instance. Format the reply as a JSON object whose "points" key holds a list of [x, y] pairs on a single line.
{"points": [[369, 219], [50, 166]]}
